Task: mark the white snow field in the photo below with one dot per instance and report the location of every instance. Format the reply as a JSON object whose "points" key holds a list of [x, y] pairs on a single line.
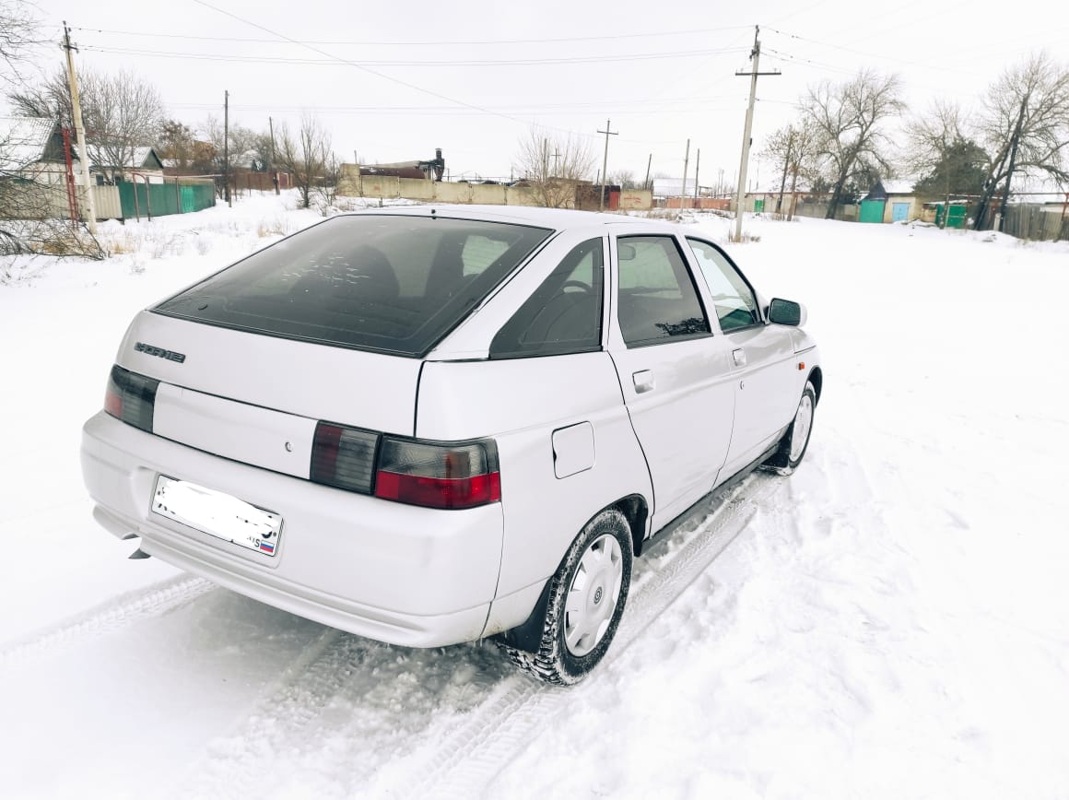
{"points": [[889, 622]]}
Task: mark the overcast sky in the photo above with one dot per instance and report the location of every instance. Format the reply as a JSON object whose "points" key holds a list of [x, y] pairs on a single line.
{"points": [[394, 80]]}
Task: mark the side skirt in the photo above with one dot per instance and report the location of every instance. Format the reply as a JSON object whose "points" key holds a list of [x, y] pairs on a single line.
{"points": [[713, 496]]}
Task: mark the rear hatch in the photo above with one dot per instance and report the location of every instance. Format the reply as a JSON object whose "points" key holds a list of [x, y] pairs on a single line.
{"points": [[329, 325], [257, 399]]}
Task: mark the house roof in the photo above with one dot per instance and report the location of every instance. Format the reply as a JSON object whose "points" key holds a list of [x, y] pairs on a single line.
{"points": [[140, 158], [885, 188], [24, 141]]}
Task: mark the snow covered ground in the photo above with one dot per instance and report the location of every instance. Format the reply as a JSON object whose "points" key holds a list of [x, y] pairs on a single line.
{"points": [[889, 622]]}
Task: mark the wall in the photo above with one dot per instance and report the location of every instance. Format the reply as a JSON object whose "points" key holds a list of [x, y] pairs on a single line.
{"points": [[353, 184]]}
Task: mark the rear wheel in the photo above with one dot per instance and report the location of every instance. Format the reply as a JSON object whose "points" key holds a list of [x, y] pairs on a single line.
{"points": [[795, 441], [586, 600]]}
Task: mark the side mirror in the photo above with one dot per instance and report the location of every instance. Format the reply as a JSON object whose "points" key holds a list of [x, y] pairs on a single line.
{"points": [[786, 312]]}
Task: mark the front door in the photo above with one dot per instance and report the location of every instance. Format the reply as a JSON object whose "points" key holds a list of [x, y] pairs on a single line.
{"points": [[675, 375], [764, 367]]}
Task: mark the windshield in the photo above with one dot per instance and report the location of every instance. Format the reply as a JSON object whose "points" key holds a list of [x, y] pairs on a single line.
{"points": [[393, 284]]}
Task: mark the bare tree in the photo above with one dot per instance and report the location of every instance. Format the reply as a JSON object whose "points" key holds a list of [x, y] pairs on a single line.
{"points": [[1025, 125], [305, 156], [942, 151], [49, 99], [18, 34], [625, 179], [849, 120], [793, 148], [121, 113], [553, 166]]}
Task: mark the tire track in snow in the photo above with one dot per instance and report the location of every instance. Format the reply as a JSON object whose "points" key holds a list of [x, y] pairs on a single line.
{"points": [[487, 740], [117, 613], [350, 717], [234, 764]]}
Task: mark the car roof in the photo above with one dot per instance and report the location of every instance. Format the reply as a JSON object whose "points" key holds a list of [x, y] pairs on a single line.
{"points": [[554, 218]]}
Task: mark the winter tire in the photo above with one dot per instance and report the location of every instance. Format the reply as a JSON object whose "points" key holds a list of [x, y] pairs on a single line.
{"points": [[586, 597], [795, 441]]}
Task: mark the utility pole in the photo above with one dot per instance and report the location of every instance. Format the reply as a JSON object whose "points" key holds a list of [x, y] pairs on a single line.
{"points": [[226, 147], [686, 162], [1013, 164], [79, 131], [786, 166], [605, 162], [697, 166], [274, 169], [755, 56], [649, 164]]}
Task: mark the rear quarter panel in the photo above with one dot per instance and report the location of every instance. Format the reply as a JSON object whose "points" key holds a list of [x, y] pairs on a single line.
{"points": [[520, 403]]}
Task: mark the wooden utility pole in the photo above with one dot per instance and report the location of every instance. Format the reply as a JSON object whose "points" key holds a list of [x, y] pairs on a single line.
{"points": [[274, 170], [755, 56], [786, 167], [226, 147], [605, 161], [79, 131], [1013, 163], [697, 166], [686, 163], [649, 164]]}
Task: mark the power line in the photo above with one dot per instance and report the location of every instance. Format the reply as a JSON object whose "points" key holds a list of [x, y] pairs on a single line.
{"points": [[333, 61], [421, 43]]}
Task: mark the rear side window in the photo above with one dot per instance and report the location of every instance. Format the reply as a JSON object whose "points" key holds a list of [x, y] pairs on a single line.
{"points": [[658, 301], [392, 284], [564, 314]]}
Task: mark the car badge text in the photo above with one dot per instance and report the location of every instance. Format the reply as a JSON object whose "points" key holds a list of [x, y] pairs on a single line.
{"points": [[152, 350]]}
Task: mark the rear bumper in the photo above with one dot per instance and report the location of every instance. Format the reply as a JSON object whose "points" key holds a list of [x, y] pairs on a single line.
{"points": [[388, 571]]}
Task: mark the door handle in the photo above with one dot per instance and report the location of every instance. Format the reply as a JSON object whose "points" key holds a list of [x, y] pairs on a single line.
{"points": [[740, 357], [643, 381]]}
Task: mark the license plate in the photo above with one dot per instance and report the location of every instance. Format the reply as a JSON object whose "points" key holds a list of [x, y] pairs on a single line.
{"points": [[218, 514]]}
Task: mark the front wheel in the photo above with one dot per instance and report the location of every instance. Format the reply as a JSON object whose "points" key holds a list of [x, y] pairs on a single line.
{"points": [[587, 595], [795, 441]]}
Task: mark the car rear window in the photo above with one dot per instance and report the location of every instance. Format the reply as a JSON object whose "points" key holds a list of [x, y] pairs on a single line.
{"points": [[392, 284]]}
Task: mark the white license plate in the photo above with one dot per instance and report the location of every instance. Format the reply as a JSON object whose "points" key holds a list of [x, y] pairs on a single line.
{"points": [[218, 514]]}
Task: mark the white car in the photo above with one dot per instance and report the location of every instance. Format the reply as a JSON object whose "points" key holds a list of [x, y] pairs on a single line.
{"points": [[431, 425]]}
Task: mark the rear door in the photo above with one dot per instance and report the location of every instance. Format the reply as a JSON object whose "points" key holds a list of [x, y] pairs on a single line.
{"points": [[675, 375], [762, 358]]}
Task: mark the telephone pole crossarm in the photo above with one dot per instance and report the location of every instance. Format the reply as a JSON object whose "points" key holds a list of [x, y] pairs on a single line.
{"points": [[605, 162]]}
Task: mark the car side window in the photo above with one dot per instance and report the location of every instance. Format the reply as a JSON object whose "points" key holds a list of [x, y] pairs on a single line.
{"points": [[657, 297], [563, 315], [734, 300]]}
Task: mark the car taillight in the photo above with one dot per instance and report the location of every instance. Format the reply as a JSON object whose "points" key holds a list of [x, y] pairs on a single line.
{"points": [[131, 397], [438, 475], [343, 457]]}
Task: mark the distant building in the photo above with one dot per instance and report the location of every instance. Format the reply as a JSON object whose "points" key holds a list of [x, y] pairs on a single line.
{"points": [[32, 148], [891, 201], [430, 170], [143, 162]]}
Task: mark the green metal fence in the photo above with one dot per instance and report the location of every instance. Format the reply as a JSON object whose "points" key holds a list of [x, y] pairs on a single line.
{"points": [[160, 199]]}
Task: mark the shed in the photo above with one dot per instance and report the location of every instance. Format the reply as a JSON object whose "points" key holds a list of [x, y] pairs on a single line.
{"points": [[142, 161], [890, 201]]}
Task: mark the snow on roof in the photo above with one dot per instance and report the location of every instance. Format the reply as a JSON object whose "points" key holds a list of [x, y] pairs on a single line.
{"points": [[898, 186], [23, 141]]}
